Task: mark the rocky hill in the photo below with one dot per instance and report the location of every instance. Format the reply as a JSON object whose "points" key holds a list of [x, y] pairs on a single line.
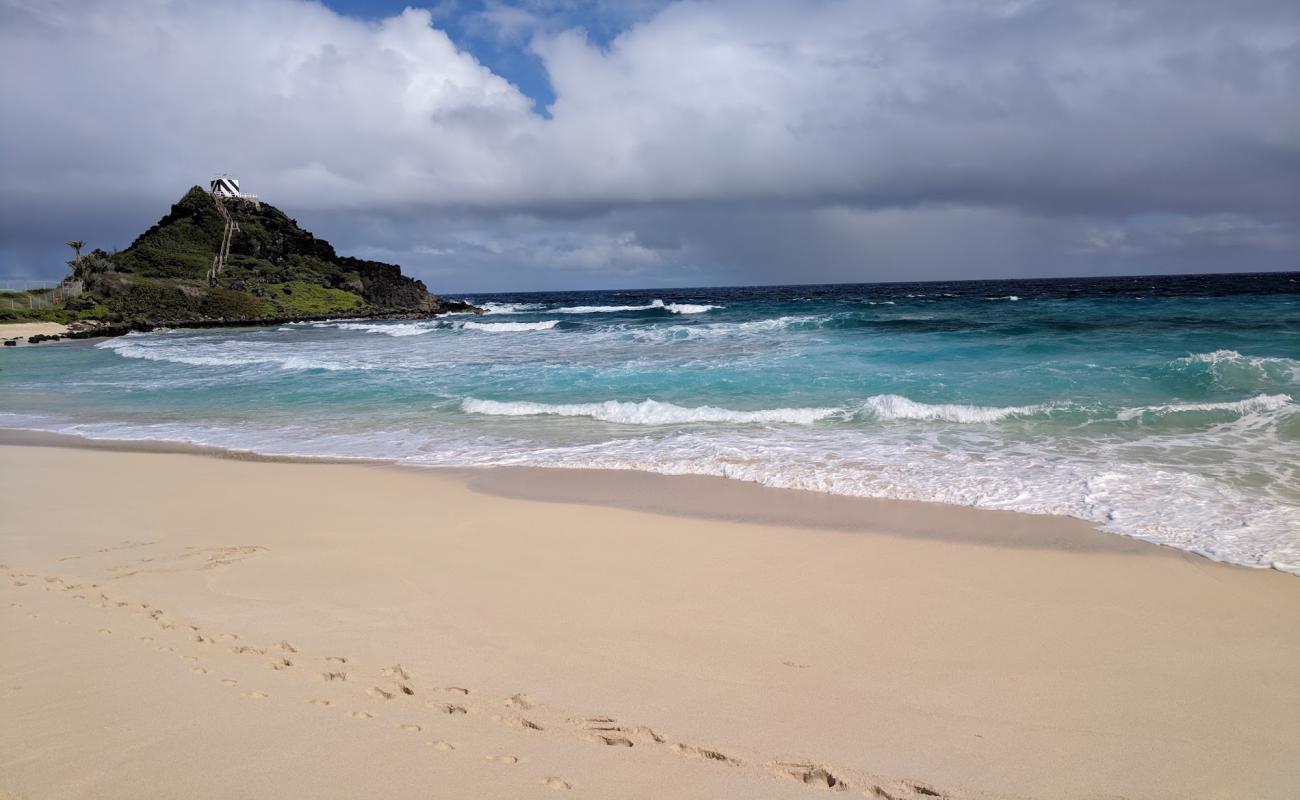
{"points": [[274, 271]]}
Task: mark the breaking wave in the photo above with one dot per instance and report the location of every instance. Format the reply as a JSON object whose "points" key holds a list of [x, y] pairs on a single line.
{"points": [[653, 412], [388, 329], [1258, 403], [221, 355], [508, 308], [647, 412], [511, 327], [675, 308], [893, 406]]}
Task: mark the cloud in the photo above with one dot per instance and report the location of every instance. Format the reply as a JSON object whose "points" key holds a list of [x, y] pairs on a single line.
{"points": [[1064, 128]]}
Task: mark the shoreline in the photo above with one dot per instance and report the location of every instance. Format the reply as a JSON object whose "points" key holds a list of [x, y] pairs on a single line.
{"points": [[338, 625], [53, 332], [702, 497]]}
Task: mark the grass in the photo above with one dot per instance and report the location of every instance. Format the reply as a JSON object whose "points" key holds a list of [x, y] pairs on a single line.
{"points": [[300, 298]]}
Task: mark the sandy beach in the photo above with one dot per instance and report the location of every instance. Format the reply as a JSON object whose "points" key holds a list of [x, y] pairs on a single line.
{"points": [[182, 625], [26, 330]]}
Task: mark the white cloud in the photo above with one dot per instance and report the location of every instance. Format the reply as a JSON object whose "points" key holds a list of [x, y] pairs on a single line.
{"points": [[1030, 111]]}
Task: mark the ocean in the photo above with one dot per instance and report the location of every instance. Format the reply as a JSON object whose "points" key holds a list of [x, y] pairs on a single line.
{"points": [[1162, 408]]}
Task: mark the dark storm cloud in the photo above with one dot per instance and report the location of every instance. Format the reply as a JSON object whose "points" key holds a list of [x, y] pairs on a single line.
{"points": [[709, 142]]}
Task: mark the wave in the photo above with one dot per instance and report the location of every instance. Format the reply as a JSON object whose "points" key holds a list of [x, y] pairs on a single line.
{"points": [[1229, 371], [647, 412], [420, 328], [1273, 366], [886, 407], [1011, 297], [1258, 403], [511, 327], [388, 329], [897, 407], [126, 348], [509, 308], [675, 308]]}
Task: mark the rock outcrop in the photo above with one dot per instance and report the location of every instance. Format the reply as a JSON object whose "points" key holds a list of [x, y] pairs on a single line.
{"points": [[274, 270]]}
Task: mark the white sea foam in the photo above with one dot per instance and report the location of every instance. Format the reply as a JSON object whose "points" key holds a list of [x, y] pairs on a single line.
{"points": [[1225, 364], [654, 412], [648, 412], [511, 327], [897, 407], [721, 330], [1197, 513], [508, 308], [1262, 402], [1011, 297], [389, 329], [221, 354], [689, 308], [675, 308]]}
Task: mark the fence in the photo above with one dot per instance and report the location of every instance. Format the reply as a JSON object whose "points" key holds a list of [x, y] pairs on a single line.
{"points": [[31, 294]]}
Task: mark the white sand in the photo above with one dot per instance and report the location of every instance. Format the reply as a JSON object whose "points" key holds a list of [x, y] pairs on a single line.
{"points": [[23, 330], [169, 623]]}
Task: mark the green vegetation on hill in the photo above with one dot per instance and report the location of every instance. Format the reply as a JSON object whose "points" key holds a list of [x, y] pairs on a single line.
{"points": [[274, 270]]}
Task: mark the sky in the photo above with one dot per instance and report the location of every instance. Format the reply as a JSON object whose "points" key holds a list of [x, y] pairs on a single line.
{"points": [[586, 144]]}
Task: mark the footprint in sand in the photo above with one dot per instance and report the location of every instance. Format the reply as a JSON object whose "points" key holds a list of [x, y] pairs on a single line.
{"points": [[517, 722], [811, 774], [320, 702], [556, 783], [612, 741], [704, 754], [441, 745], [229, 682], [361, 715], [166, 649], [281, 663], [330, 677], [335, 660], [504, 759], [255, 695], [449, 708], [411, 728], [198, 670], [519, 701], [145, 638], [454, 690], [106, 631], [395, 671], [375, 691]]}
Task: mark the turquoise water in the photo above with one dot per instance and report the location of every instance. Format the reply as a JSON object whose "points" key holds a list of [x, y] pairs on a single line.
{"points": [[1162, 408]]}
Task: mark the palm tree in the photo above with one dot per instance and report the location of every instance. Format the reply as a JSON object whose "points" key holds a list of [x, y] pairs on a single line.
{"points": [[76, 245]]}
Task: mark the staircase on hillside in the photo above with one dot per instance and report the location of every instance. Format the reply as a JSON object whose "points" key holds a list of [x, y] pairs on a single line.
{"points": [[223, 251]]}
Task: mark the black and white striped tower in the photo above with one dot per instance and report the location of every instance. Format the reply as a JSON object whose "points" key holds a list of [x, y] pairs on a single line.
{"points": [[225, 187]]}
